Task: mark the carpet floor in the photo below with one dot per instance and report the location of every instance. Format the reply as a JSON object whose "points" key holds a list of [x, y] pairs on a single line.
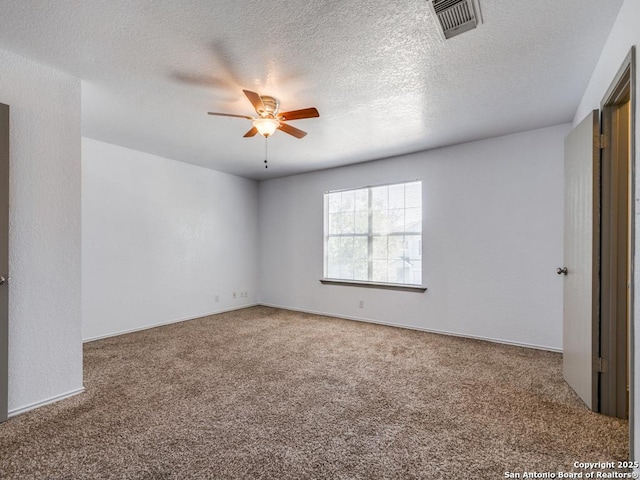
{"points": [[262, 393]]}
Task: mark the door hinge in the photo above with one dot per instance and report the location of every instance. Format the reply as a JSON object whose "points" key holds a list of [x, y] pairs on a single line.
{"points": [[601, 365], [602, 141]]}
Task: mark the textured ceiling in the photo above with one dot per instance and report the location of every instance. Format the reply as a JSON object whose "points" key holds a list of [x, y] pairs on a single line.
{"points": [[378, 72]]}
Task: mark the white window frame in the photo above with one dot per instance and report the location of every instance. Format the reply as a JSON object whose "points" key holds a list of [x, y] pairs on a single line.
{"points": [[370, 235]]}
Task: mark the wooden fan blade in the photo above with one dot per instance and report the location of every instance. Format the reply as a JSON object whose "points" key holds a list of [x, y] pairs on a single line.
{"points": [[296, 132], [299, 114], [202, 80], [251, 132], [229, 115], [255, 100]]}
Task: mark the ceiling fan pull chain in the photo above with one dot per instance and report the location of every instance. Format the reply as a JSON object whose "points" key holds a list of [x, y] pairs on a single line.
{"points": [[265, 153]]}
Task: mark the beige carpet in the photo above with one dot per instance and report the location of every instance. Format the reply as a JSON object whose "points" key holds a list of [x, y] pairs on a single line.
{"points": [[271, 394]]}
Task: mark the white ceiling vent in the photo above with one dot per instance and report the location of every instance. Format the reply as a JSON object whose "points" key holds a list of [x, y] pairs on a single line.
{"points": [[456, 16]]}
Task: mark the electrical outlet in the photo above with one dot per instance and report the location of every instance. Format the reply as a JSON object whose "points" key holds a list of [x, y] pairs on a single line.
{"points": [[217, 298], [361, 304], [235, 295]]}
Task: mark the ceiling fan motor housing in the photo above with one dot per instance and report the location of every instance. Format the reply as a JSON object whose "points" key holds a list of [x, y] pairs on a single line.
{"points": [[271, 106]]}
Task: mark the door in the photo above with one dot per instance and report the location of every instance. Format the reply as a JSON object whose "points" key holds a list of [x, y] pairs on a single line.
{"points": [[4, 259], [581, 223]]}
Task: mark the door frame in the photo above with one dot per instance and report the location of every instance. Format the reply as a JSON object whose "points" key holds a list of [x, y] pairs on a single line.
{"points": [[4, 262], [624, 81]]}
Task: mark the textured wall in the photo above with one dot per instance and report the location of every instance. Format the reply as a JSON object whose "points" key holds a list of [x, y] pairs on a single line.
{"points": [[45, 349], [624, 35], [492, 236], [160, 239]]}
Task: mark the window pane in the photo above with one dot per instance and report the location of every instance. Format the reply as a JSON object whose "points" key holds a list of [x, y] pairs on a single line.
{"points": [[346, 222], [334, 226], [333, 248], [360, 248], [380, 198], [379, 271], [395, 219], [362, 200], [380, 222], [361, 270], [414, 245], [334, 200], [396, 248], [396, 196], [346, 271], [380, 248], [375, 234], [413, 220], [361, 222], [348, 201], [396, 270], [333, 257], [333, 271], [346, 249], [415, 277]]}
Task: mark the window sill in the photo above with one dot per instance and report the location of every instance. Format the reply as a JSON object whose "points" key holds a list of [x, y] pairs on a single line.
{"points": [[386, 286]]}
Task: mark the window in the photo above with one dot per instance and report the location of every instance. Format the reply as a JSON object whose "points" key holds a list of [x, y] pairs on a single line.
{"points": [[374, 234]]}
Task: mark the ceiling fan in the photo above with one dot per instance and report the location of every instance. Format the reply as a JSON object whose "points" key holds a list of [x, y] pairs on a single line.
{"points": [[269, 118]]}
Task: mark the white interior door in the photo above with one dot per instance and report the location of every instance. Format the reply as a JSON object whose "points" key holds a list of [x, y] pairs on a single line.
{"points": [[581, 220]]}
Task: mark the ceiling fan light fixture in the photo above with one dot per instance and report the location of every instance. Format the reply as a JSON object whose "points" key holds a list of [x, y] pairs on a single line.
{"points": [[266, 126], [269, 119]]}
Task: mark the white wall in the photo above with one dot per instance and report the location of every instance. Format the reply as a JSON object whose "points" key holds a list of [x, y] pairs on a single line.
{"points": [[160, 239], [624, 35], [45, 349], [492, 222]]}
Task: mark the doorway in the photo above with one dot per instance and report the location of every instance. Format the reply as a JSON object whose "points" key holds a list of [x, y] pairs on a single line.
{"points": [[616, 244]]}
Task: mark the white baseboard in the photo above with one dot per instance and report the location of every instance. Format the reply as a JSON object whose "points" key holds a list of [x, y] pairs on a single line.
{"points": [[46, 401], [329, 314], [26, 408], [411, 327], [169, 322]]}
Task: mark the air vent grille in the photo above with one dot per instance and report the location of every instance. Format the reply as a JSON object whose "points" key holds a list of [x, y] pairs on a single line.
{"points": [[456, 16], [441, 5]]}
